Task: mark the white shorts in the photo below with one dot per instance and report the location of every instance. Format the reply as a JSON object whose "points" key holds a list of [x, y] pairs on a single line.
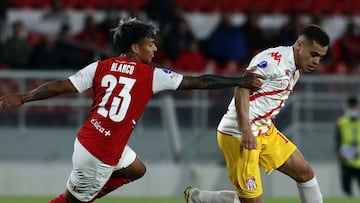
{"points": [[89, 174]]}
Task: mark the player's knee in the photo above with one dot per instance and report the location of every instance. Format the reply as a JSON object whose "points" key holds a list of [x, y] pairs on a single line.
{"points": [[305, 173], [140, 172]]}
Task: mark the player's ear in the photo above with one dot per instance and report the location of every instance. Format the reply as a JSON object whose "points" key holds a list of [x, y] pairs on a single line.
{"points": [[298, 44], [135, 48]]}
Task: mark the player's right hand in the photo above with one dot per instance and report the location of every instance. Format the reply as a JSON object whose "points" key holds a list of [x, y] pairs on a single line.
{"points": [[251, 80], [248, 141], [11, 100]]}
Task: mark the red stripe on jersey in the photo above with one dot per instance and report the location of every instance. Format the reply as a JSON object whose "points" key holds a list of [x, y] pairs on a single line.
{"points": [[268, 113], [255, 96]]}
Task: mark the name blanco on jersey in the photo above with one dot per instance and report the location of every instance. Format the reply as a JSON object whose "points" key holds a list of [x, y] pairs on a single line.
{"points": [[123, 68]]}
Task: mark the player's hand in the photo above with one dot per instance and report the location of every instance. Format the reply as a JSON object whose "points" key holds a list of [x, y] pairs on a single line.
{"points": [[10, 100], [251, 80], [248, 141]]}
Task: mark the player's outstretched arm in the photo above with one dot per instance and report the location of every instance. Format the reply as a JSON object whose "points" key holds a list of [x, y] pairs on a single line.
{"points": [[248, 80], [44, 91]]}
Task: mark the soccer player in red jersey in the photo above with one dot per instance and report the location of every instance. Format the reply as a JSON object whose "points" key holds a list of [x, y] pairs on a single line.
{"points": [[122, 86]]}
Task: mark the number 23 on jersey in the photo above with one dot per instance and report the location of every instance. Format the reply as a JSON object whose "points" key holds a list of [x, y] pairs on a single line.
{"points": [[116, 112]]}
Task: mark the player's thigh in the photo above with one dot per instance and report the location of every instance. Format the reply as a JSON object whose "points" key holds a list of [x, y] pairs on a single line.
{"points": [[88, 175], [242, 165], [276, 149], [130, 165], [297, 168]]}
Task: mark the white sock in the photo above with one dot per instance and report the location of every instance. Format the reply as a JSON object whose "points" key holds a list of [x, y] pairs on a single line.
{"points": [[309, 191], [223, 196]]}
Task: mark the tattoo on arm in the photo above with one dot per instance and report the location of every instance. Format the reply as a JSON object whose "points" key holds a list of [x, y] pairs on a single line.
{"points": [[210, 82], [45, 91]]}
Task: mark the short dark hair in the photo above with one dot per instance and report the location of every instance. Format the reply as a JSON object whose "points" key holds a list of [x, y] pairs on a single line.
{"points": [[315, 33], [352, 101], [131, 31]]}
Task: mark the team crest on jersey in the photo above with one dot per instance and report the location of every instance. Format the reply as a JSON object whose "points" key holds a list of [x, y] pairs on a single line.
{"points": [[250, 183], [262, 64]]}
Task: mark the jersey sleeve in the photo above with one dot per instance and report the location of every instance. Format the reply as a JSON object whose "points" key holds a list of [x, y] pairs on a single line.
{"points": [[165, 79], [83, 79], [264, 63]]}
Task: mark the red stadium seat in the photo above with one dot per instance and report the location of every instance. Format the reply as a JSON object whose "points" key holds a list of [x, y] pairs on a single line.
{"points": [[320, 7], [300, 6], [21, 4], [73, 4], [340, 7], [192, 6], [239, 6], [128, 5], [41, 4], [262, 6], [354, 7], [279, 6]]}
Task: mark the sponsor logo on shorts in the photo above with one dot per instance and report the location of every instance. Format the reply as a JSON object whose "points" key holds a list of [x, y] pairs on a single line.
{"points": [[250, 183]]}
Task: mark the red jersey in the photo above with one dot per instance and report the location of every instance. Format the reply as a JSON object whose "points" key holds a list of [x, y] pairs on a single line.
{"points": [[122, 87]]}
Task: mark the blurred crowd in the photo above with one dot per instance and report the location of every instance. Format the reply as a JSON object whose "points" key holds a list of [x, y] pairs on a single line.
{"points": [[226, 50]]}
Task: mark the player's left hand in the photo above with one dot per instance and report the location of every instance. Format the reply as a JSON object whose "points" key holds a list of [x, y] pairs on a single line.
{"points": [[11, 100]]}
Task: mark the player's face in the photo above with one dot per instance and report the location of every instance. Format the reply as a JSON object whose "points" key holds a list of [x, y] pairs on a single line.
{"points": [[146, 49], [309, 55]]}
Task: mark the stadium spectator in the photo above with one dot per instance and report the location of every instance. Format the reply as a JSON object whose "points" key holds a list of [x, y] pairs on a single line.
{"points": [[18, 50], [347, 142], [52, 19], [122, 87], [346, 50], [248, 124], [289, 32], [164, 13], [57, 13], [112, 16], [3, 18], [179, 37], [255, 37], [93, 40], [191, 59], [227, 43], [49, 54]]}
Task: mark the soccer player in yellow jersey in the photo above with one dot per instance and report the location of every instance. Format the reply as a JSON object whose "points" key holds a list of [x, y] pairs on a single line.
{"points": [[247, 136]]}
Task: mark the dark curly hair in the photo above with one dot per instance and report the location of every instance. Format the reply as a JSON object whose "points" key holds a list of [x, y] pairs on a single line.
{"points": [[131, 31]]}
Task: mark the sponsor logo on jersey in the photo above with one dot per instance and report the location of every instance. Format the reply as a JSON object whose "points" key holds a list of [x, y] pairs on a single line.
{"points": [[250, 183], [171, 73], [167, 71], [97, 125], [262, 64], [276, 56]]}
